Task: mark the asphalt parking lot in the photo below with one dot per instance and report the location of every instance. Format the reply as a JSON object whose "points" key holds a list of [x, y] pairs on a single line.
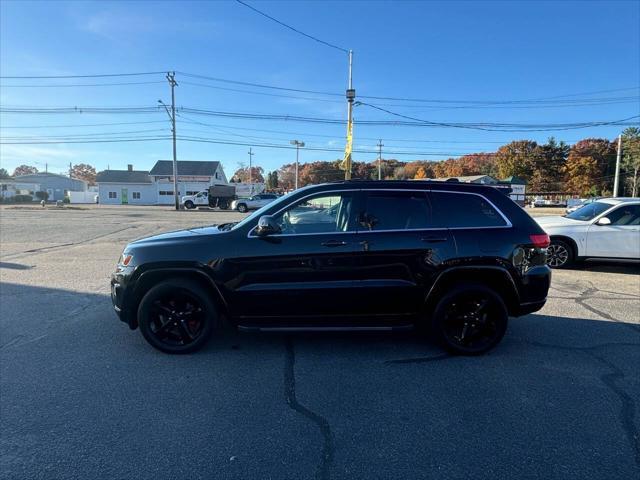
{"points": [[82, 396]]}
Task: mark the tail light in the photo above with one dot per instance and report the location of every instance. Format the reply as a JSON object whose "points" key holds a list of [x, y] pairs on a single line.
{"points": [[541, 240]]}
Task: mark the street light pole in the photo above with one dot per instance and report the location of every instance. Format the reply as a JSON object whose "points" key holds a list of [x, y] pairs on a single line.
{"points": [[380, 145], [351, 96], [298, 144], [251, 154]]}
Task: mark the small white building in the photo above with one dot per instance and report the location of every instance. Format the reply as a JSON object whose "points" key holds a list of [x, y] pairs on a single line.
{"points": [[9, 188], [156, 186], [122, 187]]}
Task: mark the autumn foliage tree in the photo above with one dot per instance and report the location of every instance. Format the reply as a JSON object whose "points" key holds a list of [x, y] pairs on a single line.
{"points": [[24, 170], [242, 175], [631, 158], [518, 158], [588, 166], [83, 171]]}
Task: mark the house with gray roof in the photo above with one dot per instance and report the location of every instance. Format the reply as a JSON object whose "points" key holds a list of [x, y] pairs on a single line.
{"points": [[57, 186], [155, 187]]}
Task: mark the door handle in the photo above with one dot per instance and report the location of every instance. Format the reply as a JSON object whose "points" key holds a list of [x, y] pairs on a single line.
{"points": [[434, 239], [333, 243]]}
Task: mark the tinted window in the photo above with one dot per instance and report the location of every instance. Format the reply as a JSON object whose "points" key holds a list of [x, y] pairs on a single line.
{"points": [[395, 211], [625, 215], [454, 209], [323, 213]]}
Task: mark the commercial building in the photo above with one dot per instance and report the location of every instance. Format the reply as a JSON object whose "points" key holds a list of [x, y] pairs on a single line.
{"points": [[57, 186]]}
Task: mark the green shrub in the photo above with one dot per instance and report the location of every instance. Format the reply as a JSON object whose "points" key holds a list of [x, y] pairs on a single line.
{"points": [[66, 200], [22, 198]]}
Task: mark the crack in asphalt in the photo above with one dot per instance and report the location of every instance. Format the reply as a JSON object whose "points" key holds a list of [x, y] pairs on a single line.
{"points": [[13, 256], [581, 300], [323, 471], [434, 358], [626, 413]]}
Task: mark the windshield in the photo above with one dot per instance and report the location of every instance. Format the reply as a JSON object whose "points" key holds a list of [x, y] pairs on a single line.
{"points": [[589, 211]]}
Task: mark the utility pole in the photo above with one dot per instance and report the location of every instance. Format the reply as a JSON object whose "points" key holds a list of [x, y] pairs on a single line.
{"points": [[351, 96], [251, 154], [616, 180], [46, 168], [380, 145], [172, 81], [70, 169], [298, 144]]}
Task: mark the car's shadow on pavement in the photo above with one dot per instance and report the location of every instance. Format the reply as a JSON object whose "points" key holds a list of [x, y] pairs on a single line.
{"points": [[79, 388], [604, 266]]}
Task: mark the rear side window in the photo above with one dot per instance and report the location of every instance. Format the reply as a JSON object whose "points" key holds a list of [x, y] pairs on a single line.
{"points": [[456, 210], [395, 210]]}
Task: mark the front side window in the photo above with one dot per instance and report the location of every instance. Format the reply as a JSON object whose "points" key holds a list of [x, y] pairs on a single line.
{"points": [[324, 213], [625, 215], [395, 210], [463, 210], [589, 211]]}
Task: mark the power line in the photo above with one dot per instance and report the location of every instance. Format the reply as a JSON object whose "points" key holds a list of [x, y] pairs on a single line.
{"points": [[80, 85], [292, 28], [102, 75], [80, 125]]}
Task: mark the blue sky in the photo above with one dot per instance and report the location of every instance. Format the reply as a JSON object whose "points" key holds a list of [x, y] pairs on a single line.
{"points": [[458, 51]]}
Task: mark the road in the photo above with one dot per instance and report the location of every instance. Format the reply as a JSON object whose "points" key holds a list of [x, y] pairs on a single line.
{"points": [[82, 396]]}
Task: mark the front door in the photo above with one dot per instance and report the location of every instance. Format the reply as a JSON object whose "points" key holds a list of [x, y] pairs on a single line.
{"points": [[306, 272], [401, 250], [620, 239], [124, 196]]}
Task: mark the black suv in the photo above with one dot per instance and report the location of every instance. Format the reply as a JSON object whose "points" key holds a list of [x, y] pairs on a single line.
{"points": [[458, 259]]}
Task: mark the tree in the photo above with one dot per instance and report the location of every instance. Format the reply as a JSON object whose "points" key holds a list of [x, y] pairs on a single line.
{"points": [[421, 174], [242, 175], [24, 170], [4, 173], [287, 176], [589, 166], [547, 173], [518, 158], [630, 163], [320, 172], [272, 180], [83, 171]]}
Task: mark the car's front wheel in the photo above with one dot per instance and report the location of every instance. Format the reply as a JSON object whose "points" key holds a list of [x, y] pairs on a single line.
{"points": [[177, 316], [188, 205], [242, 208], [470, 319], [559, 254]]}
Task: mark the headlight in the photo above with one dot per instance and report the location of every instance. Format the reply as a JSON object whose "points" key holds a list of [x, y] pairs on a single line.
{"points": [[125, 259]]}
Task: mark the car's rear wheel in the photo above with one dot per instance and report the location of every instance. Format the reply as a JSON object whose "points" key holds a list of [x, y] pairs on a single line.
{"points": [[470, 319], [223, 204], [559, 254], [177, 316], [242, 208], [188, 205]]}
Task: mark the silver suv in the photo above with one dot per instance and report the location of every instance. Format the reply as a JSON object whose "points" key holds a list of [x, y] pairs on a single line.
{"points": [[253, 203]]}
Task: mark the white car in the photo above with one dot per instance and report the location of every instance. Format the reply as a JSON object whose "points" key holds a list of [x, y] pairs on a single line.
{"points": [[606, 228], [253, 203]]}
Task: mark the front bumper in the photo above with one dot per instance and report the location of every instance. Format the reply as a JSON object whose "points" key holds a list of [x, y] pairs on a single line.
{"points": [[118, 298]]}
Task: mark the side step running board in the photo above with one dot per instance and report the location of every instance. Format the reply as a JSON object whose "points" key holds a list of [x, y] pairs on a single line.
{"points": [[252, 328]]}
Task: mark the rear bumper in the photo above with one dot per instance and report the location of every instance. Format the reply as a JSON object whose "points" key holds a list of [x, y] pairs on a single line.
{"points": [[535, 288]]}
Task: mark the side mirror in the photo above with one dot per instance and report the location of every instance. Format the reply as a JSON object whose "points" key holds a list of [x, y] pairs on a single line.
{"points": [[267, 225], [603, 221]]}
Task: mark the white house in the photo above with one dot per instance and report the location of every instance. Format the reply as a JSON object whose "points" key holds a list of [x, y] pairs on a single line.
{"points": [[129, 186], [156, 187]]}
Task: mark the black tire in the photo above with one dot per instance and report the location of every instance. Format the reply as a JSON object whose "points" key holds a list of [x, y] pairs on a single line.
{"points": [[242, 207], [560, 254], [470, 319], [223, 204], [177, 316], [189, 205]]}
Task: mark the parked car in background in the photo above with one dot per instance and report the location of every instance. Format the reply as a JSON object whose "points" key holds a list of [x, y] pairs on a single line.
{"points": [[604, 228], [253, 203], [456, 259], [540, 202], [572, 206]]}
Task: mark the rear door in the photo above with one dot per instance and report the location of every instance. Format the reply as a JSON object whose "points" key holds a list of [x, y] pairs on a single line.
{"points": [[401, 251], [620, 239]]}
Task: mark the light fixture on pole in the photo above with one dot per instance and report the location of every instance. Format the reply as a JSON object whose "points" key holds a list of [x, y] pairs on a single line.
{"points": [[298, 144]]}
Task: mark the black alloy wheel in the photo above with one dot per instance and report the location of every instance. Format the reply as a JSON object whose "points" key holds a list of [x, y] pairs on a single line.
{"points": [[177, 316], [559, 254], [470, 320]]}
